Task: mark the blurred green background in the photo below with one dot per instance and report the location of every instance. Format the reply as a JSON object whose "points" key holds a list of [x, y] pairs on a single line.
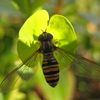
{"points": [[85, 17]]}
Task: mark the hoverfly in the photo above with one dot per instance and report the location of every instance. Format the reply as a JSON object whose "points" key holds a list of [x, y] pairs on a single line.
{"points": [[51, 63]]}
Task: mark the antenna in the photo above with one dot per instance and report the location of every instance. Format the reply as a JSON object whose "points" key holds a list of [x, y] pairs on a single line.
{"points": [[43, 30]]}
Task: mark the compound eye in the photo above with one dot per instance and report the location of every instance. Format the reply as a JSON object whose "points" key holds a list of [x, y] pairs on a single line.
{"points": [[45, 37], [41, 38], [50, 36]]}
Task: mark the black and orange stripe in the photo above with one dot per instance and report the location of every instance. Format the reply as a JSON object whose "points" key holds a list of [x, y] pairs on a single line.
{"points": [[50, 69]]}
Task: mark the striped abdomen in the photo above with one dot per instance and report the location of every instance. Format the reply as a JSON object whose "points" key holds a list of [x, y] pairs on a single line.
{"points": [[50, 69]]}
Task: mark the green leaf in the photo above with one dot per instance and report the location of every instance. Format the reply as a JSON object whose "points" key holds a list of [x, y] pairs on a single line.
{"points": [[1, 96], [37, 4], [28, 34], [23, 6], [63, 33], [27, 7]]}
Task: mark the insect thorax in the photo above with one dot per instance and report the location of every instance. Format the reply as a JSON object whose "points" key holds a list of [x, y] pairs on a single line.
{"points": [[46, 43]]}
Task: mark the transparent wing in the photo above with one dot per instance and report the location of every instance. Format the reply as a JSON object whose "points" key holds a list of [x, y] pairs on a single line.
{"points": [[79, 65], [63, 59], [24, 71], [86, 68]]}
